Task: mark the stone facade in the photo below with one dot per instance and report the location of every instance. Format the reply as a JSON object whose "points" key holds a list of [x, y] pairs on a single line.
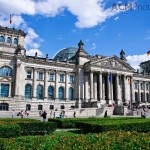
{"points": [[82, 81]]}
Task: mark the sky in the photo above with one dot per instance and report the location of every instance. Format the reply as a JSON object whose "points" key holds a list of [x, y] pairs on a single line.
{"points": [[105, 26]]}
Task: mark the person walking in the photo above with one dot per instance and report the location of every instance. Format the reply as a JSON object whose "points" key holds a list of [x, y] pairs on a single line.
{"points": [[44, 114], [74, 114]]}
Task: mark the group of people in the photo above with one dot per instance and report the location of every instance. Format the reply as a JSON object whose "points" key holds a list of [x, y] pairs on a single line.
{"points": [[22, 114]]}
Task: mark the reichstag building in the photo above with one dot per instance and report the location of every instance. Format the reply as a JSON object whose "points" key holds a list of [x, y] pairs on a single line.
{"points": [[72, 79]]}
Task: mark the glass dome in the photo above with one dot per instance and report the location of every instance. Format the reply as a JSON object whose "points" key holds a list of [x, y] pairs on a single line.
{"points": [[65, 54]]}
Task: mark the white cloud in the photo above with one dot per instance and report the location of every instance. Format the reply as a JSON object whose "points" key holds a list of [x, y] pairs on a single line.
{"points": [[135, 60], [116, 18], [93, 46], [32, 52], [89, 13]]}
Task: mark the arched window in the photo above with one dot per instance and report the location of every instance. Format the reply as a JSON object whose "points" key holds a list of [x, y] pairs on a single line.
{"points": [[28, 107], [4, 90], [15, 41], [28, 90], [61, 93], [50, 92], [39, 92], [2, 39], [5, 71], [70, 93], [8, 40]]}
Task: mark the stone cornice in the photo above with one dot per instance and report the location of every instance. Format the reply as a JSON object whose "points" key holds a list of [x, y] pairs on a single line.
{"points": [[12, 31]]}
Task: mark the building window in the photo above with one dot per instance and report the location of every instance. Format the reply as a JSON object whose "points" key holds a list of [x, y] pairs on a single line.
{"points": [[61, 77], [147, 86], [147, 96], [136, 97], [28, 107], [40, 107], [28, 91], [142, 86], [61, 93], [70, 92], [4, 106], [29, 74], [9, 40], [5, 71], [71, 79], [62, 107], [51, 107], [40, 77], [2, 39], [51, 77], [50, 92], [136, 85], [39, 92], [15, 41], [4, 90], [142, 98]]}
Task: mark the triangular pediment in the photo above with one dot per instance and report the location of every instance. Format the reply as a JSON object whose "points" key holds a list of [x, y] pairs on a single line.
{"points": [[112, 62], [4, 79]]}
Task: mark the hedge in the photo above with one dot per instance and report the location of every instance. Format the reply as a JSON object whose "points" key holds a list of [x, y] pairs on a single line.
{"points": [[37, 128], [7, 131], [4, 121], [71, 122], [111, 140], [126, 125]]}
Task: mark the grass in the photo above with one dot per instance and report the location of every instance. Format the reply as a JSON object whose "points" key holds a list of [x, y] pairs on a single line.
{"points": [[65, 133]]}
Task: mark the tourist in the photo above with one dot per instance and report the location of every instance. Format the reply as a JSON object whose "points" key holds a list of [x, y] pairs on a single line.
{"points": [[105, 115], [44, 114], [74, 114], [13, 112], [54, 114], [50, 114]]}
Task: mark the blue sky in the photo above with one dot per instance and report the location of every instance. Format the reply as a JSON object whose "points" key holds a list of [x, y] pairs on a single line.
{"points": [[105, 26]]}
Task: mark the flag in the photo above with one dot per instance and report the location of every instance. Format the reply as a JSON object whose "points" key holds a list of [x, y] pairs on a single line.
{"points": [[110, 77], [10, 19], [148, 53]]}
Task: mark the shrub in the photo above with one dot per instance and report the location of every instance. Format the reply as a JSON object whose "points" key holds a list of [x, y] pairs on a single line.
{"points": [[37, 128], [140, 125], [7, 131]]}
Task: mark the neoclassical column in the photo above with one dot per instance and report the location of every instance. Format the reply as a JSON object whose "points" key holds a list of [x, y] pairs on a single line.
{"points": [[103, 85], [132, 97], [86, 87], [100, 86], [125, 88], [117, 87], [17, 79], [91, 84], [145, 98], [95, 87], [139, 95], [45, 84], [56, 84], [66, 85], [34, 82], [108, 87]]}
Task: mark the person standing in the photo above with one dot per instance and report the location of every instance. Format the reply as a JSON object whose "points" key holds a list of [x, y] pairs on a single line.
{"points": [[13, 112], [54, 115], [44, 114], [74, 114]]}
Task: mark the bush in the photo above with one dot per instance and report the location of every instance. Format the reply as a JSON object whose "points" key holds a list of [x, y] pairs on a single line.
{"points": [[71, 122], [37, 128], [111, 140], [7, 131], [139, 125]]}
